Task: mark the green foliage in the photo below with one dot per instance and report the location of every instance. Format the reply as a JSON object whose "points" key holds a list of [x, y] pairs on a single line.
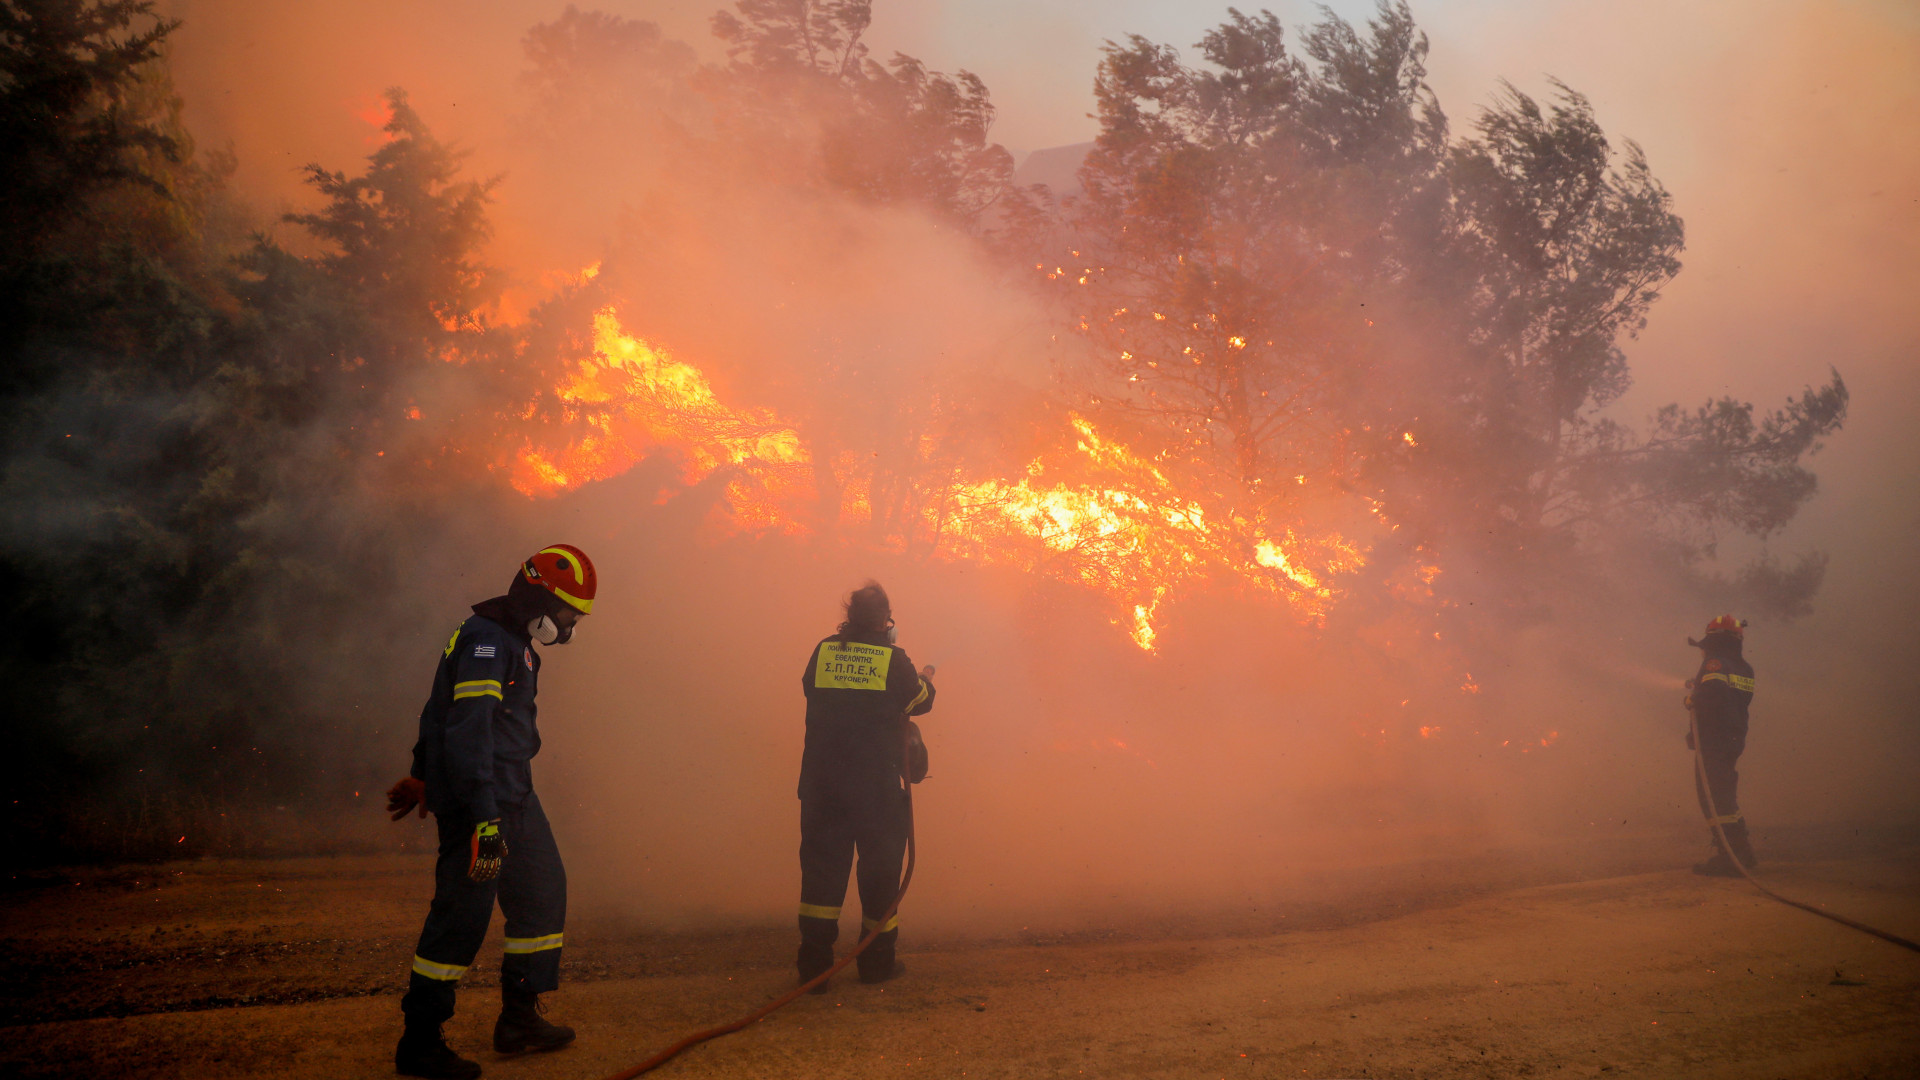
{"points": [[811, 37], [1566, 253], [1699, 469], [599, 81], [893, 134], [403, 234], [65, 114], [1237, 216], [1284, 268], [220, 444]]}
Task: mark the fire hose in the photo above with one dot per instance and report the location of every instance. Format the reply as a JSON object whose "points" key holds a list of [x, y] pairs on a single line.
{"points": [[694, 1039], [1713, 819], [670, 1052]]}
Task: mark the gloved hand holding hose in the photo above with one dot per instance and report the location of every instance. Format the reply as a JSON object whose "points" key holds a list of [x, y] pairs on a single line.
{"points": [[488, 851], [1689, 703]]}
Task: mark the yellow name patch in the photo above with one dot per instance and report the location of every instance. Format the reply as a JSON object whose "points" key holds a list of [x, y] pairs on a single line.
{"points": [[849, 665]]}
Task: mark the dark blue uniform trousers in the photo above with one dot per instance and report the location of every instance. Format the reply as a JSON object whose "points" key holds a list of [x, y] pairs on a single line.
{"points": [[831, 831], [532, 890]]}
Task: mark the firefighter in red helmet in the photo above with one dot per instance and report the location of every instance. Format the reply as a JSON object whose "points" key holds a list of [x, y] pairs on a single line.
{"points": [[472, 768], [1718, 698]]}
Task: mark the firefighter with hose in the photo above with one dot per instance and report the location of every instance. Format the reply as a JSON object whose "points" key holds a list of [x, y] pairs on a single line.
{"points": [[860, 688], [1718, 697], [472, 769]]}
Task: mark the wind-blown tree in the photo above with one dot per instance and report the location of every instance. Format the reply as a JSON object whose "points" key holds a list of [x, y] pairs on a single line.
{"points": [[823, 123], [893, 133], [1290, 281], [1238, 219], [1554, 250]]}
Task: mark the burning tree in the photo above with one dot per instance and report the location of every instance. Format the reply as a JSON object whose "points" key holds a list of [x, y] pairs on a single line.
{"points": [[1292, 284], [1323, 339]]}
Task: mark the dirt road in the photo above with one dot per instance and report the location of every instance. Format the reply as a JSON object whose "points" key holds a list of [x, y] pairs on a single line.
{"points": [[292, 969]]}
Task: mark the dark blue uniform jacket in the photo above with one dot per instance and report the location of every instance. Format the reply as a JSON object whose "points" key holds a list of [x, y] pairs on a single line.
{"points": [[1722, 692], [477, 731], [858, 691]]}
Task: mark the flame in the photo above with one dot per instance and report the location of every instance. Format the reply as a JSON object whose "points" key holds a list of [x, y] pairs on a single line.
{"points": [[634, 397], [1101, 516]]}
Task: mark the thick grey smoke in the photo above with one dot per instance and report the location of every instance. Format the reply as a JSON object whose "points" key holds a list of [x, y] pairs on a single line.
{"points": [[1073, 773]]}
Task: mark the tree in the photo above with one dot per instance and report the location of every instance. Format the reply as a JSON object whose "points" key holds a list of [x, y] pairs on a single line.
{"points": [[92, 142], [816, 38], [1237, 218], [887, 134], [1562, 254], [64, 117], [1291, 282]]}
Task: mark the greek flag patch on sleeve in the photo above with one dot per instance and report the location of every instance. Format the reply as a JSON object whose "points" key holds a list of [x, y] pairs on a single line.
{"points": [[482, 651]]}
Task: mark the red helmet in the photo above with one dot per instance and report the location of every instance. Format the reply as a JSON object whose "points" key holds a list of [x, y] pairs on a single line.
{"points": [[1727, 624], [566, 572]]}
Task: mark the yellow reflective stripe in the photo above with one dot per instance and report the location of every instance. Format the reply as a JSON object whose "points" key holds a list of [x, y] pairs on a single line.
{"points": [[477, 688], [579, 575], [818, 911], [1721, 675], [869, 924], [585, 606], [534, 944], [1726, 819], [919, 697], [442, 972], [1741, 682]]}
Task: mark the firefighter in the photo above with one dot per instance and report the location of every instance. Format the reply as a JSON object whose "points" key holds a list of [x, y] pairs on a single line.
{"points": [[1719, 697], [860, 688], [472, 769]]}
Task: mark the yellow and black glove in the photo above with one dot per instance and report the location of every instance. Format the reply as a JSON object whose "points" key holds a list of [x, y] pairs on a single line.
{"points": [[489, 850]]}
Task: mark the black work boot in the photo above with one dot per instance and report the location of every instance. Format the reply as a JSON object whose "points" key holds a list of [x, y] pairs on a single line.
{"points": [[813, 969], [1718, 866], [521, 1027], [1741, 845], [1720, 863], [877, 964], [424, 1052], [876, 974]]}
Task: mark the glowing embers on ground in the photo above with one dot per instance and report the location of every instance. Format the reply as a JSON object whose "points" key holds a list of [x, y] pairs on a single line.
{"points": [[1099, 516]]}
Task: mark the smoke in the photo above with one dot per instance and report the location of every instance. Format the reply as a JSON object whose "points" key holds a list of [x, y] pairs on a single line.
{"points": [[1074, 775]]}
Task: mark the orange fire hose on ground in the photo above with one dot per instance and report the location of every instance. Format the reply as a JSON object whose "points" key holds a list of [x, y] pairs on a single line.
{"points": [[694, 1039], [1713, 819]]}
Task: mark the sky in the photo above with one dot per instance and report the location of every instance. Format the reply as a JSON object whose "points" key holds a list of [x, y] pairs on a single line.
{"points": [[1783, 129]]}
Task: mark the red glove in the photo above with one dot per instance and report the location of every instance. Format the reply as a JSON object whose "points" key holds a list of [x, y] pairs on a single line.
{"points": [[488, 851], [406, 794]]}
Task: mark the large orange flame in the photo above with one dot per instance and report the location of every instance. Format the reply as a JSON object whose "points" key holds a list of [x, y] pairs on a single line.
{"points": [[1103, 518]]}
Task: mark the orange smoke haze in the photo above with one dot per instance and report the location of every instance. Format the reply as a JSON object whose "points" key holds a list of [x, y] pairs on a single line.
{"points": [[1102, 740]]}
